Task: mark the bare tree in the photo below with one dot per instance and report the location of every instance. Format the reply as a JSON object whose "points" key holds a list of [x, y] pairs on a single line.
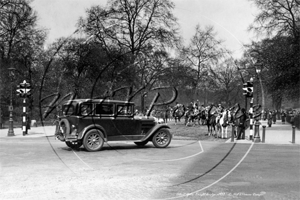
{"points": [[279, 17], [203, 50], [278, 55], [134, 28], [20, 39], [225, 78], [132, 24]]}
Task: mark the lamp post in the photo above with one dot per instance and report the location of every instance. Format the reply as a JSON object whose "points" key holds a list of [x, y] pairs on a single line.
{"points": [[255, 57], [258, 71], [11, 71]]}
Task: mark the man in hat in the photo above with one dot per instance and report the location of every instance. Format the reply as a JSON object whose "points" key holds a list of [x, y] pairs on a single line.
{"points": [[242, 125]]}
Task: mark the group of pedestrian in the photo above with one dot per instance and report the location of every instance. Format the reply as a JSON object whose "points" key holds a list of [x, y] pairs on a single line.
{"points": [[273, 115]]}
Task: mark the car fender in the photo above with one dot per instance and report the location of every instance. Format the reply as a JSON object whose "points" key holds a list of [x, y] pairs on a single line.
{"points": [[92, 126], [154, 130]]}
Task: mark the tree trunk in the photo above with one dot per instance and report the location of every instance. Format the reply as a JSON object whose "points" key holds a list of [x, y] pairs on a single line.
{"points": [[277, 100]]}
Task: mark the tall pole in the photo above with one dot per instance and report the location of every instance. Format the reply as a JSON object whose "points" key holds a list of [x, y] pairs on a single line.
{"points": [[24, 121], [262, 94], [257, 96], [11, 121], [251, 112], [251, 119]]}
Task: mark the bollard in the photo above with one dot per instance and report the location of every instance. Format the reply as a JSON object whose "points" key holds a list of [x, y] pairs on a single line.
{"points": [[256, 134], [232, 133], [263, 134], [293, 134]]}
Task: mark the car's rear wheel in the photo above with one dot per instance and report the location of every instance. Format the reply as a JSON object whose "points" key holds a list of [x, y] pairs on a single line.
{"points": [[141, 144], [74, 145], [162, 138], [93, 140]]}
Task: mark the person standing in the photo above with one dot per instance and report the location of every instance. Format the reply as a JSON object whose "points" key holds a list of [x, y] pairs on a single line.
{"points": [[283, 116], [274, 113], [293, 113], [242, 125], [270, 115]]}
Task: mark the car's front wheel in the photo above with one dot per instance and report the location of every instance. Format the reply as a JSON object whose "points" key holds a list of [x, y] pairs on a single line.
{"points": [[93, 140], [162, 138], [74, 145]]}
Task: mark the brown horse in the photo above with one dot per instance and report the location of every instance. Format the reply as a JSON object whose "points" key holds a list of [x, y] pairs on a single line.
{"points": [[192, 116], [211, 120], [178, 112]]}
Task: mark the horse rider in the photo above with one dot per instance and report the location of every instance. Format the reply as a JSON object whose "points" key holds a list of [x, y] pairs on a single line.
{"points": [[218, 112], [177, 106], [220, 108], [190, 106], [201, 108]]}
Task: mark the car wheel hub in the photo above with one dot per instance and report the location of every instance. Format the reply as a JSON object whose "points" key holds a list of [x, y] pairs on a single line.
{"points": [[161, 139], [93, 140]]}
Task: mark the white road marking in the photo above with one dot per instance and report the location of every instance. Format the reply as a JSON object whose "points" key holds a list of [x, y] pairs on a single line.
{"points": [[217, 181], [177, 159], [82, 161]]}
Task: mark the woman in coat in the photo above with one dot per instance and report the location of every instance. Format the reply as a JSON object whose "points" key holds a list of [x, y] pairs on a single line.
{"points": [[274, 116], [283, 116]]}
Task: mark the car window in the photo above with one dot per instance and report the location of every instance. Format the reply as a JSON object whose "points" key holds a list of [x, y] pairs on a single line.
{"points": [[124, 109], [104, 109], [86, 109], [68, 109]]}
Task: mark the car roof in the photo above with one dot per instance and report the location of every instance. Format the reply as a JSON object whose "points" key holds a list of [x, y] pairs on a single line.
{"points": [[97, 101]]}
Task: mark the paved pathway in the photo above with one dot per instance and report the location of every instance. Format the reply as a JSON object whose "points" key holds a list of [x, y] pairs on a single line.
{"points": [[33, 132], [276, 134]]}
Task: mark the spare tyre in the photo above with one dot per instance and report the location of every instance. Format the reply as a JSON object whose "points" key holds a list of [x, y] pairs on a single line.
{"points": [[64, 126]]}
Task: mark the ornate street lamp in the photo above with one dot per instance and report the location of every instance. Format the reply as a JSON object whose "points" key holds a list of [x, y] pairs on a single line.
{"points": [[258, 71], [255, 54], [11, 71]]}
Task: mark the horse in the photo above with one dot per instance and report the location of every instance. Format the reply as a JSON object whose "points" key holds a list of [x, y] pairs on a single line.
{"points": [[223, 122], [189, 117], [178, 112], [211, 120], [193, 116], [202, 117]]}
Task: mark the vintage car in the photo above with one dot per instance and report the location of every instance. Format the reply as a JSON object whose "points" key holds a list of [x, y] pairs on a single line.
{"points": [[91, 122]]}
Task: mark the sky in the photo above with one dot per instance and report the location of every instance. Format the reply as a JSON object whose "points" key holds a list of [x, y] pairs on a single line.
{"points": [[230, 18]]}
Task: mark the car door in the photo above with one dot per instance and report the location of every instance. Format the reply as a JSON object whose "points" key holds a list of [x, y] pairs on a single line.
{"points": [[126, 127]]}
